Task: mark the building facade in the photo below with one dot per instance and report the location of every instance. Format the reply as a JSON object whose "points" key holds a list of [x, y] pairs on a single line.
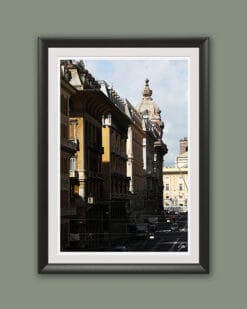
{"points": [[154, 150], [115, 165], [99, 125], [135, 168], [68, 150], [175, 180]]}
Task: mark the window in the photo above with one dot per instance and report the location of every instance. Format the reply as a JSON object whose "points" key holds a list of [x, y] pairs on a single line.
{"points": [[180, 187], [167, 187], [72, 164]]}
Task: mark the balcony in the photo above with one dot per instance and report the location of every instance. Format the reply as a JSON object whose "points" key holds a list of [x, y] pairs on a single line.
{"points": [[69, 145], [75, 141], [124, 156], [119, 154]]}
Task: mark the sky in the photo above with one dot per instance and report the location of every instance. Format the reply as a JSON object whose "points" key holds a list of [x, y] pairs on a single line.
{"points": [[168, 79]]}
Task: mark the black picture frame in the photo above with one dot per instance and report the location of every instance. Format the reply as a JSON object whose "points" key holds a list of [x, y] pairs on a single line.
{"points": [[44, 44]]}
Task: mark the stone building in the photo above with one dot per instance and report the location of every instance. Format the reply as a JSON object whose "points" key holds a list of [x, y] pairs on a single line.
{"points": [[135, 163], [87, 107], [114, 163], [99, 124], [154, 150], [175, 179], [85, 163], [115, 170], [68, 150]]}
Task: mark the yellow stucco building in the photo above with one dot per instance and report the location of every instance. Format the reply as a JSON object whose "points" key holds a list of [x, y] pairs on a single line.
{"points": [[175, 180]]}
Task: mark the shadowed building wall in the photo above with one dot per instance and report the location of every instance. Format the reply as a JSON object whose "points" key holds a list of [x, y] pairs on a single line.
{"points": [[135, 163], [68, 149], [154, 150]]}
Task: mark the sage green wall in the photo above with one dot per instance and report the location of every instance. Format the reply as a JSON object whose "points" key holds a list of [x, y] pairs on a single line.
{"points": [[21, 22]]}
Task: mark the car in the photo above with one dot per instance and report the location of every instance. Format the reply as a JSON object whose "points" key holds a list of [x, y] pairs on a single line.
{"points": [[119, 248], [183, 229], [174, 227]]}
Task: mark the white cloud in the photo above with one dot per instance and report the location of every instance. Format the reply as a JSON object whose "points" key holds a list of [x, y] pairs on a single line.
{"points": [[168, 80]]}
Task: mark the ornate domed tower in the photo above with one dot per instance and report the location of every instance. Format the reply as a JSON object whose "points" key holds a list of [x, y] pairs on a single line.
{"points": [[149, 109], [154, 150]]}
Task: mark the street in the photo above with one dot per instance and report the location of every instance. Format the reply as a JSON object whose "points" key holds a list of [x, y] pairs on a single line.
{"points": [[157, 241], [168, 234]]}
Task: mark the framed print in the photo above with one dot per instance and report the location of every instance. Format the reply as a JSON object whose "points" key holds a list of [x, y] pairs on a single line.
{"points": [[123, 148]]}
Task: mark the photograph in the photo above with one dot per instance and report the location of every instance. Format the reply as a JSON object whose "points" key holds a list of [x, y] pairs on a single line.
{"points": [[123, 155]]}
